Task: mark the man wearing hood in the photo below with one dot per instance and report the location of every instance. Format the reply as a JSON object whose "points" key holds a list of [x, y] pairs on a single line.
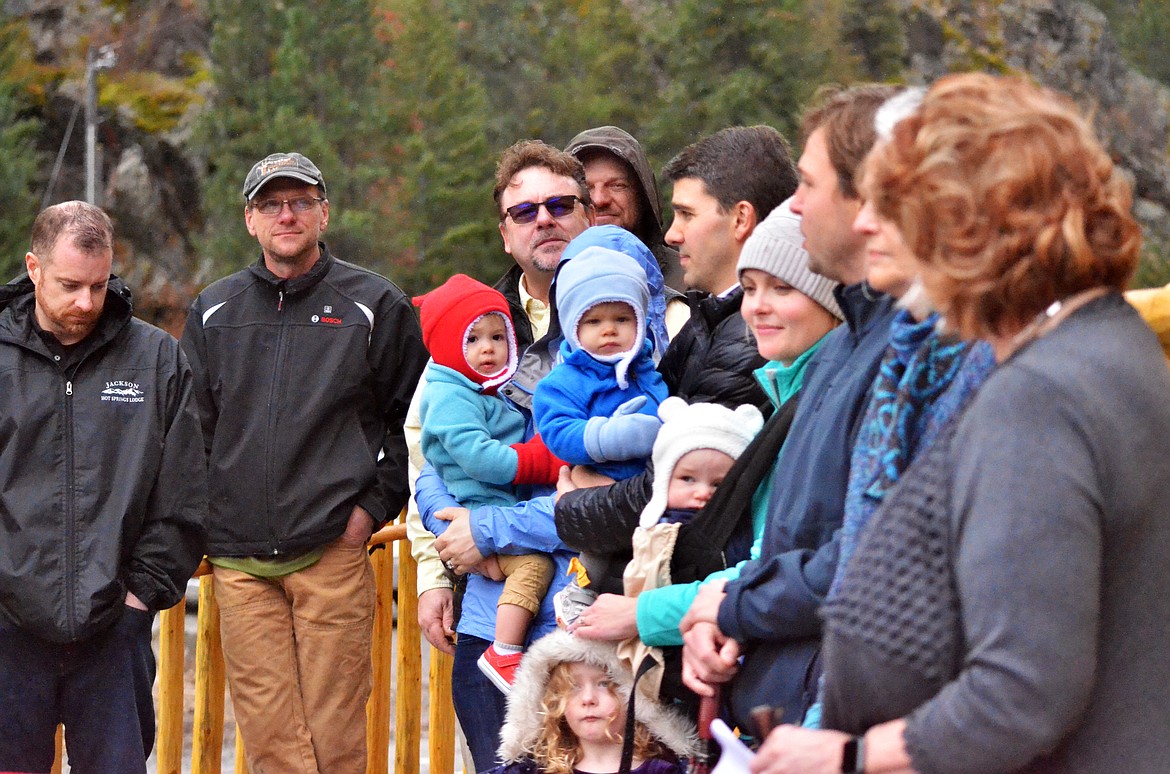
{"points": [[624, 191], [103, 505]]}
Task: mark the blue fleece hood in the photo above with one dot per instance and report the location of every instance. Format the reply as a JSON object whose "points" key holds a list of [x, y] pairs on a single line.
{"points": [[602, 275], [622, 241]]}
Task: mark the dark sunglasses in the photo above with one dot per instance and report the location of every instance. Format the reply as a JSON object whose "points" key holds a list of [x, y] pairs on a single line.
{"points": [[558, 207]]}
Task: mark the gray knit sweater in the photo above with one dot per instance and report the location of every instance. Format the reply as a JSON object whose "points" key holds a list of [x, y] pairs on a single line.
{"points": [[1031, 579]]}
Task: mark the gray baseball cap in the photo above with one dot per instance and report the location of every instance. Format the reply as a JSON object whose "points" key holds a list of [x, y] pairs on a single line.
{"points": [[292, 165]]}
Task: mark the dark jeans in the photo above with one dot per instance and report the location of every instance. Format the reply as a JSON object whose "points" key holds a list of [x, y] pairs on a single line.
{"points": [[479, 705], [99, 688]]}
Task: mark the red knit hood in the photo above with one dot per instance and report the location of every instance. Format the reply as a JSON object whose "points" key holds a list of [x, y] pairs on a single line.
{"points": [[449, 311]]}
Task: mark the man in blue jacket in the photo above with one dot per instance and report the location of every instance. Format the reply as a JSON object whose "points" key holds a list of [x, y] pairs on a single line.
{"points": [[103, 504], [543, 202], [769, 614]]}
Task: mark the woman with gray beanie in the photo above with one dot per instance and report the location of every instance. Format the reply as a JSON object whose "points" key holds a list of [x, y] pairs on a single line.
{"points": [[789, 310]]}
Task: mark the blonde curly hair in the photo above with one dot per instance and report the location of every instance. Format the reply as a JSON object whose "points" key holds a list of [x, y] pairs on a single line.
{"points": [[556, 750], [1007, 198]]}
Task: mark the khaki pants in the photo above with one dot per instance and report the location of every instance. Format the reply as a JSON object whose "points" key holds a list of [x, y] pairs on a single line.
{"points": [[526, 579], [297, 656]]}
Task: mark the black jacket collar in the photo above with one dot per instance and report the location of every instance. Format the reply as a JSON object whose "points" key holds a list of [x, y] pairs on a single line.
{"points": [[297, 284]]}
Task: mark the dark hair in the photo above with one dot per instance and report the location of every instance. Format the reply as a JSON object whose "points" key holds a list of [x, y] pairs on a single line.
{"points": [[847, 118], [537, 153], [740, 164], [90, 228]]}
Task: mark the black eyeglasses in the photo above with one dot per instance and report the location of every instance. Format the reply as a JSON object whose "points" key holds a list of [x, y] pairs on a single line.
{"points": [[558, 207], [297, 204]]}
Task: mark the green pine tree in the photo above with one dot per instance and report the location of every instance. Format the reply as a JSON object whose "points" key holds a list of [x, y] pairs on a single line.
{"points": [[743, 62], [552, 70], [17, 148], [291, 78], [436, 111]]}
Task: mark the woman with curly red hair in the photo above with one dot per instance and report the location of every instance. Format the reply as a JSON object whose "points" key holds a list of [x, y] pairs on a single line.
{"points": [[1006, 608]]}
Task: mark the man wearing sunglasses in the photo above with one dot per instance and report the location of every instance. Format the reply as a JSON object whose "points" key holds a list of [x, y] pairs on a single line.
{"points": [[304, 367], [543, 203]]}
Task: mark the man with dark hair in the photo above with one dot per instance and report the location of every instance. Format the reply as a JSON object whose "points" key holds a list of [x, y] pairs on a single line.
{"points": [[723, 186], [103, 506], [543, 202], [624, 191], [771, 611], [304, 366]]}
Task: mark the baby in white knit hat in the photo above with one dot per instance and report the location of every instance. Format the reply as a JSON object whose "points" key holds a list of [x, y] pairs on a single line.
{"points": [[693, 452]]}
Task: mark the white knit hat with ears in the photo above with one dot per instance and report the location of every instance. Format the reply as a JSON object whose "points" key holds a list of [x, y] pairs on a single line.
{"points": [[687, 427]]}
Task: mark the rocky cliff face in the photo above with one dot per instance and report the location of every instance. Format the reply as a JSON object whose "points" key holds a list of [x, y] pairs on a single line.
{"points": [[148, 101], [1065, 45]]}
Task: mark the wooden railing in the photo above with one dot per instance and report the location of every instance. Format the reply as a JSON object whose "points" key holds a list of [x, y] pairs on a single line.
{"points": [[403, 664]]}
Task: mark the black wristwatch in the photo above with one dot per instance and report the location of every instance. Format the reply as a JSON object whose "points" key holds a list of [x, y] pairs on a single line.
{"points": [[853, 756]]}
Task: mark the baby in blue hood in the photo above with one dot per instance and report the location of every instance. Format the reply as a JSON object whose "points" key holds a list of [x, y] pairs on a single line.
{"points": [[599, 405]]}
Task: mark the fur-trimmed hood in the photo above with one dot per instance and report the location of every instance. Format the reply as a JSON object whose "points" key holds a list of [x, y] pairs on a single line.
{"points": [[523, 722]]}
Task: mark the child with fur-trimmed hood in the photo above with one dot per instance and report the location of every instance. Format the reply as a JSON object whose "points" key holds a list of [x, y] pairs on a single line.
{"points": [[568, 713]]}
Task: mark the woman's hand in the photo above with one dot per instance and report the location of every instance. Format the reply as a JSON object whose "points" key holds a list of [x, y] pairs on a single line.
{"points": [[584, 477], [611, 617], [795, 750], [456, 547]]}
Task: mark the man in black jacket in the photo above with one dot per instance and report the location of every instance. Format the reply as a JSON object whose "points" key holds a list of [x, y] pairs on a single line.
{"points": [[723, 186], [103, 505], [304, 366]]}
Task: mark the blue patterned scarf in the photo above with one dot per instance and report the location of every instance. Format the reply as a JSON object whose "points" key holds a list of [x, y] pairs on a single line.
{"points": [[922, 381]]}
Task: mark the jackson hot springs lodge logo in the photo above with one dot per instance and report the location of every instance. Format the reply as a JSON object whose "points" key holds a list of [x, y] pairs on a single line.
{"points": [[123, 392]]}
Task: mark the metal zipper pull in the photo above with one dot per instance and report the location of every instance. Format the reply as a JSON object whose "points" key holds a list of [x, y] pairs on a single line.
{"points": [[68, 388], [280, 301]]}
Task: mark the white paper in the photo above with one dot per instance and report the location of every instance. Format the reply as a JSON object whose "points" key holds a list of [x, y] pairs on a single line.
{"points": [[735, 754]]}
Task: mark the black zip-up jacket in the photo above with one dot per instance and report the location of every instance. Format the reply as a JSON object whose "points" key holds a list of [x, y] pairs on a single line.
{"points": [[303, 385], [713, 357], [101, 458]]}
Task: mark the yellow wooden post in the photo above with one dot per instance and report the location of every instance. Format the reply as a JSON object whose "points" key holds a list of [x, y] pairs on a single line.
{"points": [[378, 705], [60, 743], [441, 734], [207, 736], [170, 689], [241, 761], [408, 706]]}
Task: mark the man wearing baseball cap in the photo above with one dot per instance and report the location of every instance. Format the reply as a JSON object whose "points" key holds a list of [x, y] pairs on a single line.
{"points": [[304, 367]]}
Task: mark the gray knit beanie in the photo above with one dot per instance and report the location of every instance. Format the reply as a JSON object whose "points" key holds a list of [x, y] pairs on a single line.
{"points": [[777, 247]]}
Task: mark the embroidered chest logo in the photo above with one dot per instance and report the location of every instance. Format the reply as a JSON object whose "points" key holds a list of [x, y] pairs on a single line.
{"points": [[123, 392], [327, 317]]}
